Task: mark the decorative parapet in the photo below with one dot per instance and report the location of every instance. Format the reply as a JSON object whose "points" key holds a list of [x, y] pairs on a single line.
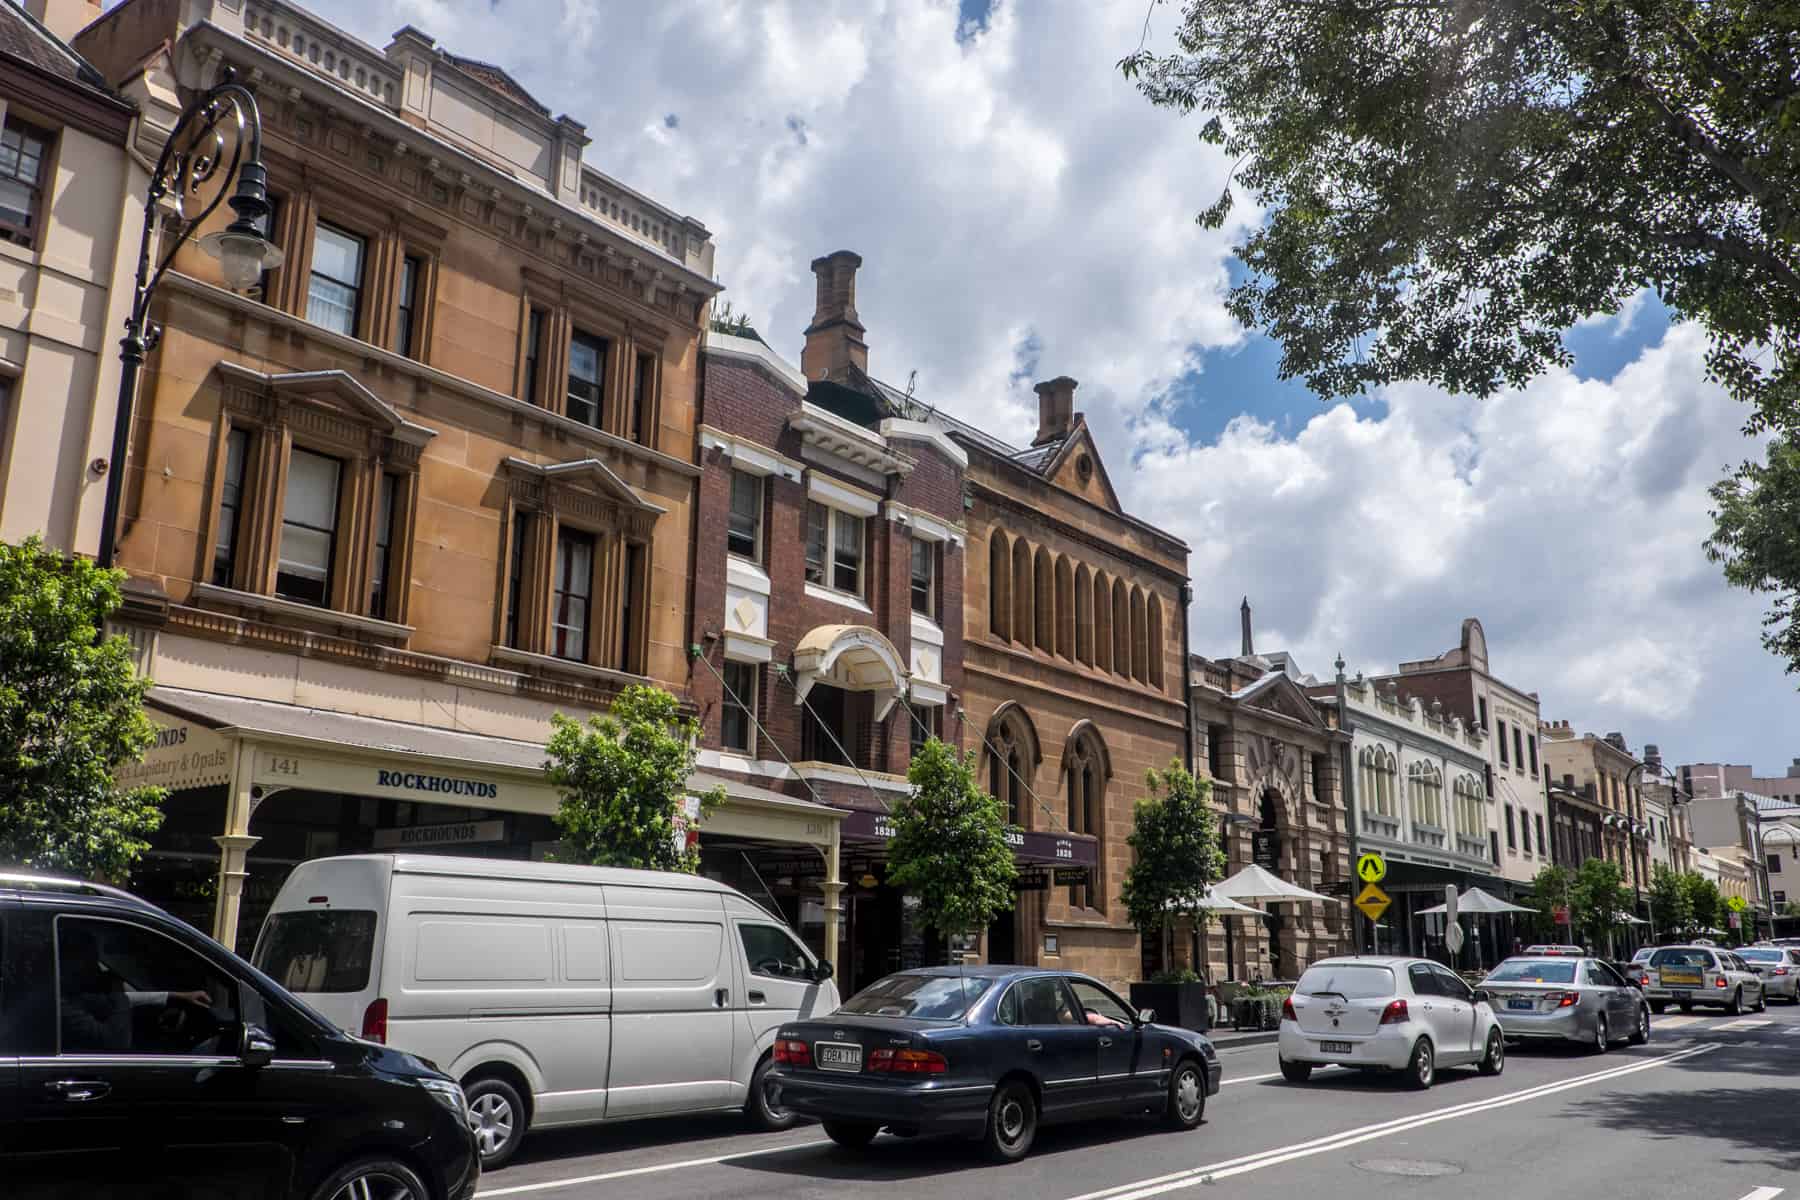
{"points": [[316, 46]]}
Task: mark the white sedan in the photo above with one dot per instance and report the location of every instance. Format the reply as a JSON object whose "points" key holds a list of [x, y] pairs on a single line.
{"points": [[1398, 1014]]}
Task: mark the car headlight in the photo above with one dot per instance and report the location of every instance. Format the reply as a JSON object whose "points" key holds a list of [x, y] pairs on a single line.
{"points": [[450, 1094]]}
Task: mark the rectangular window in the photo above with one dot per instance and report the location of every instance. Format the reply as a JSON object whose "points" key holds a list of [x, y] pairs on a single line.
{"points": [[534, 340], [570, 601], [1215, 751], [630, 610], [923, 722], [846, 552], [1531, 751], [515, 581], [1482, 705], [23, 150], [231, 501], [828, 730], [411, 270], [924, 577], [1501, 725], [587, 376], [1774, 864], [743, 529], [309, 528], [380, 568], [1542, 844], [1493, 846], [737, 725], [1780, 897], [641, 401], [1524, 831], [1518, 748], [818, 539], [334, 294], [1512, 841]]}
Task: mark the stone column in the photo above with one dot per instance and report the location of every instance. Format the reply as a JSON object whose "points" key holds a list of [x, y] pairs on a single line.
{"points": [[234, 846], [834, 898]]}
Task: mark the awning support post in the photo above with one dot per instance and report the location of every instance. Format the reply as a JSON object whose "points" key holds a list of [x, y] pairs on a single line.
{"points": [[234, 847]]}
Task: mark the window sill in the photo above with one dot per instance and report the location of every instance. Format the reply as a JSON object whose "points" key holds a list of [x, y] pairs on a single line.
{"points": [[833, 596], [212, 595], [549, 664]]}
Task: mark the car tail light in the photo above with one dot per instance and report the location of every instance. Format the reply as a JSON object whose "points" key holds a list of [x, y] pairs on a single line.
{"points": [[374, 1026], [1568, 999], [1287, 1009], [1644, 979], [793, 1053], [1395, 1013], [909, 1062], [1719, 982], [1779, 971]]}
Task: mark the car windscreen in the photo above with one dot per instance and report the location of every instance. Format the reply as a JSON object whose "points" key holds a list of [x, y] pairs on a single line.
{"points": [[1764, 956], [1352, 981], [322, 950], [922, 997], [1553, 970], [1700, 959]]}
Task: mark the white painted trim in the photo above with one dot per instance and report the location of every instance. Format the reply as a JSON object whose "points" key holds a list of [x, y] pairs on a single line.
{"points": [[926, 630], [879, 780], [894, 427], [833, 596], [824, 457], [749, 456], [746, 647], [923, 524], [841, 495], [729, 345], [741, 572], [934, 695]]}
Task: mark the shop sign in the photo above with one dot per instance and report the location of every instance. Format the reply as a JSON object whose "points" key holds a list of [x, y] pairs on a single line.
{"points": [[421, 783], [184, 755], [1028, 845], [1070, 876], [455, 833], [1264, 849], [1032, 881], [1560, 914]]}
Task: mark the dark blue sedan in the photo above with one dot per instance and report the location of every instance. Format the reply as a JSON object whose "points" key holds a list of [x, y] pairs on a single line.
{"points": [[987, 1052]]}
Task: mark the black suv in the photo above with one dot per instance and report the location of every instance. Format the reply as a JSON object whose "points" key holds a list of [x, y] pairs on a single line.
{"points": [[141, 1059]]}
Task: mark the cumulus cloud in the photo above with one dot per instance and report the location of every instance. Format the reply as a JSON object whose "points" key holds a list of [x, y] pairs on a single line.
{"points": [[1023, 213]]}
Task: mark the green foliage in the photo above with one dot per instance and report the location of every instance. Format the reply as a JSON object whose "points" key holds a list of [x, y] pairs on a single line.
{"points": [[1670, 907], [1597, 897], [949, 846], [1549, 890], [726, 320], [1175, 850], [1756, 538], [1177, 975], [71, 712], [1450, 186], [1791, 909], [1705, 904], [623, 779]]}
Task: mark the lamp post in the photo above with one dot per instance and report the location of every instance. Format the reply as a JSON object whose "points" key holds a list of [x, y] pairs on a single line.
{"points": [[1676, 797], [191, 160]]}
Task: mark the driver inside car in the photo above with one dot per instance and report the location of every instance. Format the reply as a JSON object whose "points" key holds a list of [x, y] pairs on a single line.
{"points": [[96, 1004]]}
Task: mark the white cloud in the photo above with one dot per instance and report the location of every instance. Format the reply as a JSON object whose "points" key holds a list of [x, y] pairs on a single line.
{"points": [[1023, 213]]}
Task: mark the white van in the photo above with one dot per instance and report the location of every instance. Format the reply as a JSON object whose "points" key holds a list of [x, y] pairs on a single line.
{"points": [[559, 995]]}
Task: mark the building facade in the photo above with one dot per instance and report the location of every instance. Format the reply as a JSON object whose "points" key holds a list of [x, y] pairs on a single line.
{"points": [[423, 486], [1604, 769], [1721, 779], [71, 219], [1460, 679], [1275, 759]]}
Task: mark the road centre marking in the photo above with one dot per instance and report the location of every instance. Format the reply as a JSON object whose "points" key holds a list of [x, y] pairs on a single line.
{"points": [[1214, 1172], [654, 1169], [1765, 1193], [1740, 1026]]}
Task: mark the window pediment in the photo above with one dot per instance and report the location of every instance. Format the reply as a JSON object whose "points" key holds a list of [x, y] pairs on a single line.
{"points": [[586, 490], [331, 405]]}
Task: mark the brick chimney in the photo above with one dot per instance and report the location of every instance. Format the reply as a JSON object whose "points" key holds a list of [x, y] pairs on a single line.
{"points": [[64, 18], [834, 340], [1056, 408]]}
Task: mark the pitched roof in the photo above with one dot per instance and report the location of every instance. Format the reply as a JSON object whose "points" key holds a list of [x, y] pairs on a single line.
{"points": [[23, 37], [497, 80]]}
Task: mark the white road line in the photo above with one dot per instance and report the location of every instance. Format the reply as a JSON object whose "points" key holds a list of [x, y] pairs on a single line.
{"points": [[1277, 1074], [658, 1168], [1740, 1026], [1765, 1193], [1214, 1172]]}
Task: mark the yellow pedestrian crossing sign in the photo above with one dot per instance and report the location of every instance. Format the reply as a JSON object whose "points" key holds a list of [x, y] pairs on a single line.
{"points": [[1370, 868], [1373, 902]]}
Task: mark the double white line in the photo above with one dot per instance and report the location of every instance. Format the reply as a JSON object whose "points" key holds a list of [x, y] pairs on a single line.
{"points": [[1214, 1172]]}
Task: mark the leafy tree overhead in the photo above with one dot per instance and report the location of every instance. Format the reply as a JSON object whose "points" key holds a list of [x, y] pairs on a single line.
{"points": [[949, 846], [1756, 536], [1597, 898], [1450, 186], [623, 778], [1549, 891], [1704, 901], [1175, 851], [1669, 905], [71, 712]]}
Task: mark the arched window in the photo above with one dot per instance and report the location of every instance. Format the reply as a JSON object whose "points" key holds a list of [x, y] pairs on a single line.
{"points": [[1086, 772], [1140, 639], [1065, 608], [1021, 589], [999, 586], [1084, 616], [1377, 778], [1155, 619], [1046, 602], [1012, 758], [1121, 612], [1103, 627], [1425, 787]]}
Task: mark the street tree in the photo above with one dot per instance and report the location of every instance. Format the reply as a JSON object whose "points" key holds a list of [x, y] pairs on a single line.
{"points": [[949, 847], [1447, 187], [1597, 899], [1756, 539], [1704, 902], [71, 713], [1549, 892], [624, 783], [1670, 908], [1176, 854]]}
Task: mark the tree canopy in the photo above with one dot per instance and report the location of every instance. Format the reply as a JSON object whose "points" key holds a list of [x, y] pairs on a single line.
{"points": [[71, 712], [1175, 850], [624, 782], [1756, 538], [1450, 186], [1597, 898], [949, 846]]}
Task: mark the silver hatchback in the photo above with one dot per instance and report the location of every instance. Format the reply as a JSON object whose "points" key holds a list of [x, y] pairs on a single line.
{"points": [[1779, 969], [1581, 1000]]}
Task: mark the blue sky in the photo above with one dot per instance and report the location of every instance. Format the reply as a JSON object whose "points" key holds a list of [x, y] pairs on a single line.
{"points": [[1022, 212]]}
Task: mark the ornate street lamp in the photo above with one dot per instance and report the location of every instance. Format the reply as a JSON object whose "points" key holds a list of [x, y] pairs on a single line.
{"points": [[193, 172]]}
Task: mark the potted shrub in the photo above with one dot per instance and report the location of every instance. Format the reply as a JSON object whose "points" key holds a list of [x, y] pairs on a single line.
{"points": [[1259, 1008], [1179, 998]]}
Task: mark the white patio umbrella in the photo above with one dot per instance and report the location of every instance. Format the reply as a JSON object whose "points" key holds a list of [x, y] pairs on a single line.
{"points": [[1628, 919], [1253, 885], [1475, 902]]}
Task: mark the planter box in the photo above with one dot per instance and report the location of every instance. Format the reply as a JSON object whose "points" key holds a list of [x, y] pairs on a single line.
{"points": [[1247, 1013], [1180, 1004]]}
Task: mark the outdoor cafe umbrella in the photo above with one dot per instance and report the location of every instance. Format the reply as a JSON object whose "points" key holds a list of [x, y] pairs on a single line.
{"points": [[1254, 885], [1476, 902]]}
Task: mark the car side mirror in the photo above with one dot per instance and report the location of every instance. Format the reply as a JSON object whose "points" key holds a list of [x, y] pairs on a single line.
{"points": [[1483, 996], [255, 1046], [1146, 1016], [822, 970]]}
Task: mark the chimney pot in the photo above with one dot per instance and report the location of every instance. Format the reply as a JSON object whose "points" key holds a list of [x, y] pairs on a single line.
{"points": [[834, 340], [1056, 408]]}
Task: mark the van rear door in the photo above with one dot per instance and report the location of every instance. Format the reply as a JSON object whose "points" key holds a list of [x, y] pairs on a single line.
{"points": [[323, 936]]}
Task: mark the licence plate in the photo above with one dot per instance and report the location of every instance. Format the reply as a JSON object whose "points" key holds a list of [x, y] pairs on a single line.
{"points": [[1522, 1005], [837, 1056], [1681, 993], [1336, 1047]]}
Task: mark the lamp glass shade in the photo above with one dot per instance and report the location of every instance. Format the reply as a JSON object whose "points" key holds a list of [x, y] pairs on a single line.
{"points": [[243, 256]]}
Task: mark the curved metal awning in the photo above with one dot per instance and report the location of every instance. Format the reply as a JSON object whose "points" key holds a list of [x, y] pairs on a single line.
{"points": [[857, 658]]}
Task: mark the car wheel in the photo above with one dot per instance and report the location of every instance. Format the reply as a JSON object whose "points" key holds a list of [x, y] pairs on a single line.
{"points": [[1736, 1007], [1011, 1123], [1494, 1061], [1641, 1034], [1295, 1072], [1762, 1000], [1657, 1007], [762, 1109], [1421, 1068], [497, 1118], [852, 1135], [1602, 1037], [1187, 1095], [373, 1179], [1686, 1009]]}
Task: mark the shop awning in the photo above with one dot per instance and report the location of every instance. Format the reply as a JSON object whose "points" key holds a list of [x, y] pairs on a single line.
{"points": [[856, 658], [762, 813]]}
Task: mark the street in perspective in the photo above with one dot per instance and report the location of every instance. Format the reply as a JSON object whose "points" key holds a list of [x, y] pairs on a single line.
{"points": [[924, 598]]}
